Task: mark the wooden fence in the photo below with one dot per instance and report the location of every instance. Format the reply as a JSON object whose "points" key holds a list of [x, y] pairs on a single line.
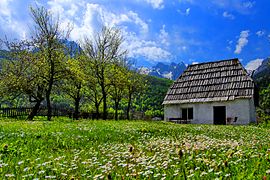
{"points": [[25, 111], [63, 111]]}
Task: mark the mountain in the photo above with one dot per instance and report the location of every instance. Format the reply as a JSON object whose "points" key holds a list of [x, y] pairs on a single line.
{"points": [[170, 71], [72, 47], [262, 73]]}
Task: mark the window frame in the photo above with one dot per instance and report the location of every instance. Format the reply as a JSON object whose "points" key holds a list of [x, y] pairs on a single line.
{"points": [[189, 113]]}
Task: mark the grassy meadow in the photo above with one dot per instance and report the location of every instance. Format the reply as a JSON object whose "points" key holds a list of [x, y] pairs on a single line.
{"points": [[132, 150]]}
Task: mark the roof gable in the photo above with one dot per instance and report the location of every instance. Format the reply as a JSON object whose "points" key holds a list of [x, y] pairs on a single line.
{"points": [[214, 81]]}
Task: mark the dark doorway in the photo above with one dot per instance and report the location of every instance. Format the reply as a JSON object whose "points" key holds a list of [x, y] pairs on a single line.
{"points": [[220, 115]]}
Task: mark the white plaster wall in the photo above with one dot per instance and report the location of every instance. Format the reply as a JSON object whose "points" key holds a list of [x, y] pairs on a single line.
{"points": [[171, 111], [252, 111], [243, 109]]}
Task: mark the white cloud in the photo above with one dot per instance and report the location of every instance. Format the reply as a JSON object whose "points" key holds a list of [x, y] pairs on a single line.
{"points": [[139, 47], [156, 4], [164, 36], [254, 64], [5, 9], [240, 6], [87, 18], [249, 4], [154, 54], [228, 15], [150, 50], [242, 41], [185, 12], [260, 33], [96, 15], [134, 17], [195, 63], [184, 48], [8, 21]]}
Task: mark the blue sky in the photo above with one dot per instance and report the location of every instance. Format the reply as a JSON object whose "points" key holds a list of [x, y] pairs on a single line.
{"points": [[191, 31]]}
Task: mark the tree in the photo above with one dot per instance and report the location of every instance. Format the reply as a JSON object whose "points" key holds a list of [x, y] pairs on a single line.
{"points": [[93, 92], [118, 81], [20, 74], [74, 83], [136, 84], [102, 51], [47, 40]]}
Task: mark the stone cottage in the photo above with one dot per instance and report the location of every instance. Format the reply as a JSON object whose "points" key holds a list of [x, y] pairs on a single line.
{"points": [[218, 92]]}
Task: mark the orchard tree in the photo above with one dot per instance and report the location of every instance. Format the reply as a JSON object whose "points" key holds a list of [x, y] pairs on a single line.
{"points": [[102, 51], [136, 84], [20, 74], [47, 40], [119, 84], [93, 90], [74, 83]]}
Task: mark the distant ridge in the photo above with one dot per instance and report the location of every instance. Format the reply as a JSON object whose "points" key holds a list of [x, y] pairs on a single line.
{"points": [[170, 71]]}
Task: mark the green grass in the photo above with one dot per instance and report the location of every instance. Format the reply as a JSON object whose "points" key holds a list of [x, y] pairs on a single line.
{"points": [[132, 149]]}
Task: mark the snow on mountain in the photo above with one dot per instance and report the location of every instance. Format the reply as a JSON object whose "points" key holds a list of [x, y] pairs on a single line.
{"points": [[170, 71], [265, 66]]}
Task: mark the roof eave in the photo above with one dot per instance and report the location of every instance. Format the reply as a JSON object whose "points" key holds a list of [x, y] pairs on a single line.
{"points": [[205, 100]]}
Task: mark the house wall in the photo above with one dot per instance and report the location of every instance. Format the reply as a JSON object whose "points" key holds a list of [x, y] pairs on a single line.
{"points": [[243, 109]]}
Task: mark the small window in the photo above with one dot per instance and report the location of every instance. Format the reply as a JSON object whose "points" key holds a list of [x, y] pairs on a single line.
{"points": [[190, 113], [184, 113], [187, 113]]}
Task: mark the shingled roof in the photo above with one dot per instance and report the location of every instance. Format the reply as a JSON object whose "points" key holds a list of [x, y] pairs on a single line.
{"points": [[208, 82]]}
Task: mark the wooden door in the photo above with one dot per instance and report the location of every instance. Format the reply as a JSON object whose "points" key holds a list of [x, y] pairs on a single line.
{"points": [[219, 115]]}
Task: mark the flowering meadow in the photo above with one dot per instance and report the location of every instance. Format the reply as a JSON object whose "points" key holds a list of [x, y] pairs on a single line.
{"points": [[132, 150]]}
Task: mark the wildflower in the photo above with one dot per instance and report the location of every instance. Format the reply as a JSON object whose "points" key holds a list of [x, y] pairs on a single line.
{"points": [[41, 172], [203, 173], [20, 162], [99, 176], [26, 169], [9, 175], [50, 177]]}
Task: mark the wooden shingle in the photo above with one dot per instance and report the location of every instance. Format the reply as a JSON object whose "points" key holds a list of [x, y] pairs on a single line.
{"points": [[208, 82]]}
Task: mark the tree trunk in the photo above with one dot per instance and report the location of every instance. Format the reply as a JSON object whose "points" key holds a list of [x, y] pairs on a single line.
{"points": [[116, 109], [77, 106], [97, 110], [34, 110], [49, 107], [105, 115], [51, 81], [48, 94], [129, 105], [104, 102]]}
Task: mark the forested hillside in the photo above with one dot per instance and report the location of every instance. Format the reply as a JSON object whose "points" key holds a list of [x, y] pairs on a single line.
{"points": [[151, 100], [262, 80]]}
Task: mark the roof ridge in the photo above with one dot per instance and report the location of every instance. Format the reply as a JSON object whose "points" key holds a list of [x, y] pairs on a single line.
{"points": [[211, 62]]}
